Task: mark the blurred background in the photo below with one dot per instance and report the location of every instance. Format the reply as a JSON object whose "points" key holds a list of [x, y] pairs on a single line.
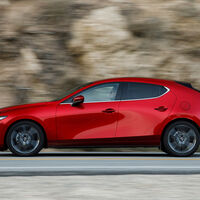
{"points": [[49, 46]]}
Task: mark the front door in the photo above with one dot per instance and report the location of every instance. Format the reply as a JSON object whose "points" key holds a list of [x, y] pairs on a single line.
{"points": [[95, 118]]}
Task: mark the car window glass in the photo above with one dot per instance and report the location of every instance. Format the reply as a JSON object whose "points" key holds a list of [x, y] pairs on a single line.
{"points": [[143, 90], [99, 93], [72, 90]]}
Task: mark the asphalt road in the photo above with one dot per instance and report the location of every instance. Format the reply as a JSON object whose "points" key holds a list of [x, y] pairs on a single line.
{"points": [[101, 163]]}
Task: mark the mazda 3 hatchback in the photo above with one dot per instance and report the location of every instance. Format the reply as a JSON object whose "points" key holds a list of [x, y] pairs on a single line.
{"points": [[108, 113]]}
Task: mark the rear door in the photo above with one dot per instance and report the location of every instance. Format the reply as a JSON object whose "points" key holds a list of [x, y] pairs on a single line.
{"points": [[143, 107]]}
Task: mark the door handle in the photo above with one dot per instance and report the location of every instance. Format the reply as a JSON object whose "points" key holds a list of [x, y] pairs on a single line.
{"points": [[161, 108], [108, 110]]}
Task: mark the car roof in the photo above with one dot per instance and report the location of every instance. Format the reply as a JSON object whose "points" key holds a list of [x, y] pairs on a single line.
{"points": [[137, 79]]}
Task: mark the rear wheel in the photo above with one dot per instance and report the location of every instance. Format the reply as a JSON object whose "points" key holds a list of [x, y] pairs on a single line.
{"points": [[181, 139], [25, 138]]}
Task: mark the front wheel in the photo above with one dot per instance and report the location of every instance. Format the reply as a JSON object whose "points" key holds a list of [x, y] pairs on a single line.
{"points": [[181, 138], [25, 138]]}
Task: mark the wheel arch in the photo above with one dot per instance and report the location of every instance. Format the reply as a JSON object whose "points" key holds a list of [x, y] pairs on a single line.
{"points": [[30, 120], [175, 120]]}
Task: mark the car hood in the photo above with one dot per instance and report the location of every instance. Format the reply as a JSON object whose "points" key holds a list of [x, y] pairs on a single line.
{"points": [[16, 107]]}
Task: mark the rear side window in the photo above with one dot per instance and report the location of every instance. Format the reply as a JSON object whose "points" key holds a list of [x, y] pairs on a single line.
{"points": [[134, 90]]}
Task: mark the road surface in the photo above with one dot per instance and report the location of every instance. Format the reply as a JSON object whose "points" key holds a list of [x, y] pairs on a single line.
{"points": [[101, 163]]}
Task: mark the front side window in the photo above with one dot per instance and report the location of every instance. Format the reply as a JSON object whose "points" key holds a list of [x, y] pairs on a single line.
{"points": [[98, 93], [142, 91]]}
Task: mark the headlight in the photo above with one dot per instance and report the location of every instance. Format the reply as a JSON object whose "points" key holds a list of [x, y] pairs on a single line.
{"points": [[2, 117]]}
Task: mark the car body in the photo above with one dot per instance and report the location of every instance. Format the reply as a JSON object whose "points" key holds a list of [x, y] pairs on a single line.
{"points": [[107, 113]]}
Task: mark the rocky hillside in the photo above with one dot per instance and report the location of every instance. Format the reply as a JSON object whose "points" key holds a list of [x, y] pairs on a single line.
{"points": [[49, 46]]}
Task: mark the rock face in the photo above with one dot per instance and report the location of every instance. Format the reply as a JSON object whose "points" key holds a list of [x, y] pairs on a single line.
{"points": [[47, 47]]}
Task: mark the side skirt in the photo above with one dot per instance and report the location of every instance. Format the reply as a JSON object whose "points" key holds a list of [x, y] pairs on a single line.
{"points": [[144, 141]]}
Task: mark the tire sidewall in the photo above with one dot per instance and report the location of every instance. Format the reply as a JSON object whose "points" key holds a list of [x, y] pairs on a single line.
{"points": [[41, 141], [167, 147]]}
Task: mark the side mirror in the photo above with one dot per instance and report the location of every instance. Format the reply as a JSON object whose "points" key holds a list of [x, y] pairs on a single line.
{"points": [[77, 100]]}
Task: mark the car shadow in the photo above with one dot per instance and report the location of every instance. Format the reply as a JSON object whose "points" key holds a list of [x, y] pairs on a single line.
{"points": [[99, 154], [109, 154]]}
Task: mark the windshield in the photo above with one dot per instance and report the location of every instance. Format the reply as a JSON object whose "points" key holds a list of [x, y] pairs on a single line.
{"points": [[72, 90]]}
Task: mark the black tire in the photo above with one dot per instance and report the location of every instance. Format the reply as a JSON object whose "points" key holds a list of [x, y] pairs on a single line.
{"points": [[22, 130], [181, 139], [162, 148]]}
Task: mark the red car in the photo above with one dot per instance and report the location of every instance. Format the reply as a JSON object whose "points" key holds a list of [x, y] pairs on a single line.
{"points": [[108, 113]]}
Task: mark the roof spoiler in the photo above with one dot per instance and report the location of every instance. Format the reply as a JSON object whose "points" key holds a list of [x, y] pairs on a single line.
{"points": [[188, 85]]}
